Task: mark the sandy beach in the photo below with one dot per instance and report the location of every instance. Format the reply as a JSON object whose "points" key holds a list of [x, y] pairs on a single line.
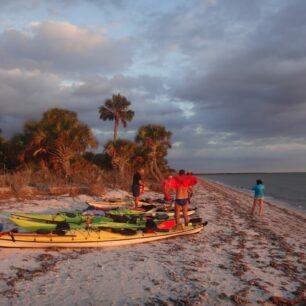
{"points": [[237, 259]]}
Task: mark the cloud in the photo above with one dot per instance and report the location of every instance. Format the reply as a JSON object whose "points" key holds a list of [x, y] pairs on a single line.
{"points": [[198, 28], [27, 92], [224, 152], [64, 47], [256, 91], [98, 85], [11, 5], [226, 77]]}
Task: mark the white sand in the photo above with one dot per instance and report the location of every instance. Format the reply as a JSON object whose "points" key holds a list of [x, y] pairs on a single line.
{"points": [[237, 259]]}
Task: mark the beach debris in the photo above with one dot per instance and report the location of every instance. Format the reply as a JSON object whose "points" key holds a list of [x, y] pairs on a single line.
{"points": [[239, 300], [281, 301]]}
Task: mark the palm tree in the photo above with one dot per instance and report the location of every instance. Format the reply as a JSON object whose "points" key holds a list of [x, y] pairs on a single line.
{"points": [[121, 152], [58, 138], [14, 150], [116, 109], [155, 140]]}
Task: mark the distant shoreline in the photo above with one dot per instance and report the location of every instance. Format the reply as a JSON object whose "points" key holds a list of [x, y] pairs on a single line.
{"points": [[234, 173]]}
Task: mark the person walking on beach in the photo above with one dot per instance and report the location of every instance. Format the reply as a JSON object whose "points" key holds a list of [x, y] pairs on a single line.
{"points": [[138, 185], [258, 189]]}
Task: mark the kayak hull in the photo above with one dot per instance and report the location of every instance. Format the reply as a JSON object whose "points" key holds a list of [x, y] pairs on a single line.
{"points": [[88, 239]]}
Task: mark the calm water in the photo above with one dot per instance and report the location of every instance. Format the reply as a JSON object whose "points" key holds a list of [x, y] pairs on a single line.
{"points": [[287, 188]]}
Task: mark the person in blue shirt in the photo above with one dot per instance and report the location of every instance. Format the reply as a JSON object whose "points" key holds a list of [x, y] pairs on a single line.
{"points": [[258, 189]]}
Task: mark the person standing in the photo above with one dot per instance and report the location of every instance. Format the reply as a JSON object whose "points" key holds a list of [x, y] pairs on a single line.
{"points": [[258, 189], [190, 189], [181, 184], [138, 185]]}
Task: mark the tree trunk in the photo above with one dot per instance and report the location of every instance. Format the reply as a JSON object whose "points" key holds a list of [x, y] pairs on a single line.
{"points": [[121, 169], [157, 170], [62, 156], [67, 168], [153, 173], [155, 167], [116, 129]]}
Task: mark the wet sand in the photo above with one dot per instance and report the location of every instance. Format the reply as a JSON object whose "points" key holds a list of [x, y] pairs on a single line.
{"points": [[237, 259]]}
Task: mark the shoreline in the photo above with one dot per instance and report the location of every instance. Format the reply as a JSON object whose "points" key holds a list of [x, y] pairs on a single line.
{"points": [[268, 200], [237, 259]]}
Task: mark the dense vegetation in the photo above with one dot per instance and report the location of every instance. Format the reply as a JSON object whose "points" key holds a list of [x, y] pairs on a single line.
{"points": [[61, 145]]}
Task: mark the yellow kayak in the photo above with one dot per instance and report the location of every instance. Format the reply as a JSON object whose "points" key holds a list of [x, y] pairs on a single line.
{"points": [[88, 238], [114, 204]]}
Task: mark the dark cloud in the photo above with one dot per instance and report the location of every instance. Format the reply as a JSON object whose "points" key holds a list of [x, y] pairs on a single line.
{"points": [[258, 90], [199, 28], [27, 94]]}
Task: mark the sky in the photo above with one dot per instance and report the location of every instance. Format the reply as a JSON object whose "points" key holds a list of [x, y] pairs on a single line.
{"points": [[228, 78]]}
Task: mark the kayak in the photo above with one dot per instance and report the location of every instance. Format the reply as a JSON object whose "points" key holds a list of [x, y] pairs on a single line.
{"points": [[36, 224], [154, 208], [125, 212], [74, 219], [77, 220], [107, 204], [88, 238], [95, 222], [70, 217], [33, 225], [151, 212], [110, 205]]}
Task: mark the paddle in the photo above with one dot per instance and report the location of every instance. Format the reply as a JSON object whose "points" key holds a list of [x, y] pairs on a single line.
{"points": [[11, 233]]}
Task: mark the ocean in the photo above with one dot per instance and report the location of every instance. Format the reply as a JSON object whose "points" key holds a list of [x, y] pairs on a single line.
{"points": [[289, 189]]}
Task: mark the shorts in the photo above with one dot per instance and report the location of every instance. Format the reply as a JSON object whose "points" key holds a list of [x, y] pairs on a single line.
{"points": [[136, 190], [181, 202]]}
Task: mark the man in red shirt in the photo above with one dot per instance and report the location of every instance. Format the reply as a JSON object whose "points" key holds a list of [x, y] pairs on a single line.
{"points": [[182, 184]]}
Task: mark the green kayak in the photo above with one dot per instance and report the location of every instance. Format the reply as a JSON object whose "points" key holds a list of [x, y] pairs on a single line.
{"points": [[95, 222], [125, 212], [70, 217]]}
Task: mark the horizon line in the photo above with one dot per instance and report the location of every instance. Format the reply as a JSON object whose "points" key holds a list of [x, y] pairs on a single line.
{"points": [[250, 172]]}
